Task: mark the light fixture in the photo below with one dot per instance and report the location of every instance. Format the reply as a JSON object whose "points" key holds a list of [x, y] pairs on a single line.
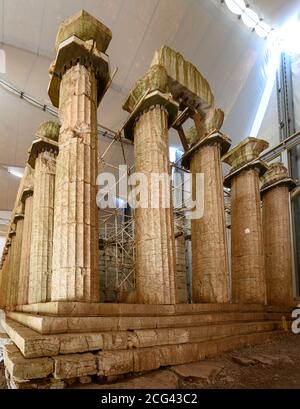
{"points": [[236, 6], [262, 29], [13, 170], [250, 18]]}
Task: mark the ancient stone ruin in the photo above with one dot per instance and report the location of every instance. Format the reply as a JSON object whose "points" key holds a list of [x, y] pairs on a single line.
{"points": [[60, 329]]}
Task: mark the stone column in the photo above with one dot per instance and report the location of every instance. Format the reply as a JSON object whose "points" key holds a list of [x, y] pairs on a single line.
{"points": [[27, 199], [10, 267], [248, 268], [181, 268], [4, 274], [42, 158], [80, 75], [209, 242], [277, 234], [154, 227], [13, 288]]}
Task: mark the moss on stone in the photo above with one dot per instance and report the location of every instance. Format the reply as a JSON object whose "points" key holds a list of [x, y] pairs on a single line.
{"points": [[184, 74], [155, 79], [48, 129], [85, 27]]}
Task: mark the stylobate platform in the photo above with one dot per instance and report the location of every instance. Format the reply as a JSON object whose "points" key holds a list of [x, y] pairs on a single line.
{"points": [[53, 343]]}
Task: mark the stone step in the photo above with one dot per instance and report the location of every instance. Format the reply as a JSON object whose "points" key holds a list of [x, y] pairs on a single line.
{"points": [[32, 344], [116, 362], [57, 325], [63, 308]]}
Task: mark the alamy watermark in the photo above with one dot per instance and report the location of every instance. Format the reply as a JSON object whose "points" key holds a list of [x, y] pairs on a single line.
{"points": [[296, 321], [151, 190], [2, 61]]}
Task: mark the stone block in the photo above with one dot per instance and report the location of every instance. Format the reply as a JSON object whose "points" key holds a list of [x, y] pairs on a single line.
{"points": [[146, 359], [26, 369], [74, 365], [115, 362], [30, 343], [185, 80]]}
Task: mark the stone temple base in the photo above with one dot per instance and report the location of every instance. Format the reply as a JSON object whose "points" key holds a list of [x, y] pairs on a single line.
{"points": [[55, 344]]}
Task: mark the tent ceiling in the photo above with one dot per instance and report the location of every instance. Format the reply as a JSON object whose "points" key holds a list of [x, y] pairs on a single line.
{"points": [[225, 51]]}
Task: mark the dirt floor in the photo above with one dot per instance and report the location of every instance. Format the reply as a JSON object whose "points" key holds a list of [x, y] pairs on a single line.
{"points": [[272, 365]]}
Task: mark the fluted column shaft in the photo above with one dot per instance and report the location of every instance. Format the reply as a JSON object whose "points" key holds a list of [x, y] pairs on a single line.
{"points": [[277, 245], [40, 269], [154, 227], [25, 251], [10, 269], [75, 253], [13, 288], [4, 278], [209, 243], [180, 255], [248, 268]]}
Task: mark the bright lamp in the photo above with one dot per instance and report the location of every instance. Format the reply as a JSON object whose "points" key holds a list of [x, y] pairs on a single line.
{"points": [[250, 18], [236, 6]]}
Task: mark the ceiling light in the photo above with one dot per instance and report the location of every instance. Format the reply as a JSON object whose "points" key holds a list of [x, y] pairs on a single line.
{"points": [[250, 18], [236, 6], [18, 172], [262, 29]]}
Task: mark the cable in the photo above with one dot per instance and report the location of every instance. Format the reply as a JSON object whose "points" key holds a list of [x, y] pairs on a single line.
{"points": [[102, 130]]}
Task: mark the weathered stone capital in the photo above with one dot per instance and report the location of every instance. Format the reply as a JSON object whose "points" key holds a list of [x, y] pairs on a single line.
{"points": [[12, 233], [216, 138], [18, 216], [41, 145], [27, 192], [245, 152], [155, 79], [84, 39], [85, 27], [206, 124], [49, 130], [148, 92], [259, 166], [276, 175]]}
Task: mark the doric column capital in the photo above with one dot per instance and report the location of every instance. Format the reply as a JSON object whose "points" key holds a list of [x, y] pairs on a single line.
{"points": [[245, 152], [245, 156], [12, 232], [276, 175], [47, 140], [215, 138], [206, 123], [18, 216], [81, 38], [27, 192], [151, 90]]}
